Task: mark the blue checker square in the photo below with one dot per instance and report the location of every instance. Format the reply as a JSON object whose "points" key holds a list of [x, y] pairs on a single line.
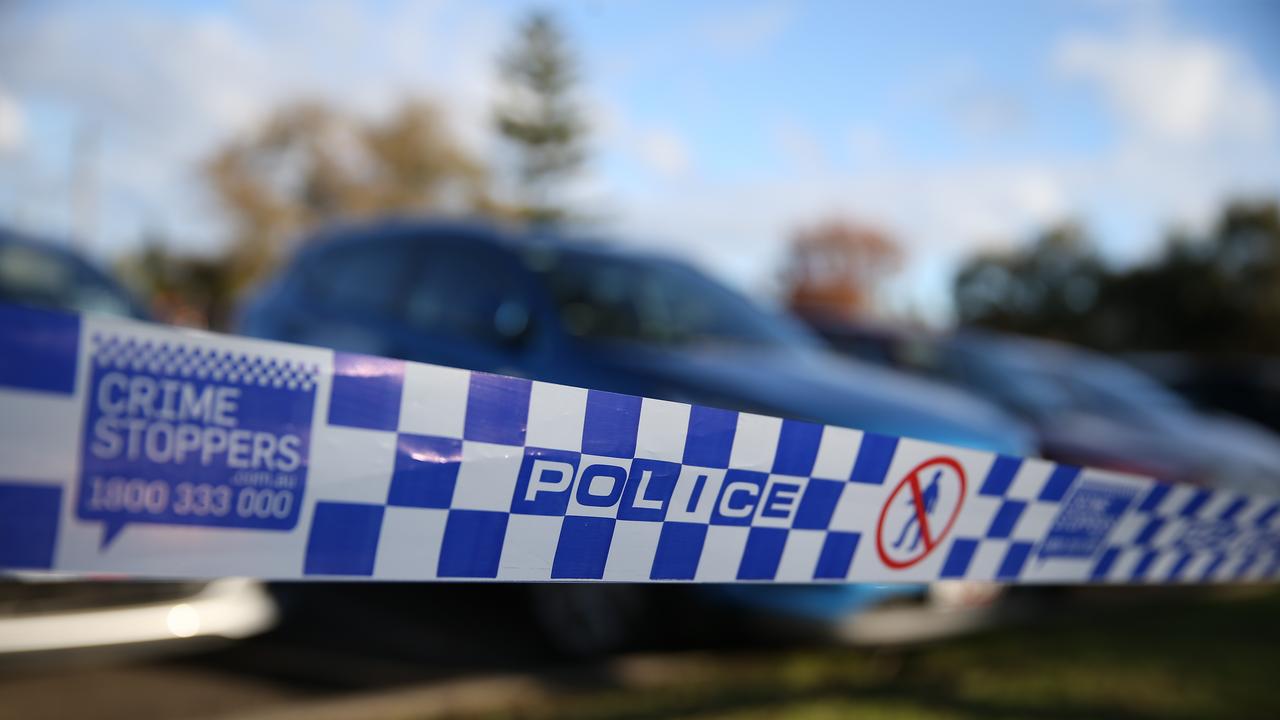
{"points": [[1006, 518], [366, 391], [583, 548], [344, 539], [38, 349], [28, 524], [1144, 564], [874, 456], [836, 556], [1264, 519], [817, 504], [1060, 480], [1154, 498], [679, 550], [762, 553], [958, 559], [1180, 566], [709, 439], [1104, 564], [1014, 558], [1000, 476], [611, 423], [1230, 511], [1197, 501], [1148, 531], [497, 409], [797, 448], [472, 544], [426, 471]]}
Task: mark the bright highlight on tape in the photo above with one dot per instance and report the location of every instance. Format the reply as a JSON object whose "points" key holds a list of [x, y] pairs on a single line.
{"points": [[145, 450]]}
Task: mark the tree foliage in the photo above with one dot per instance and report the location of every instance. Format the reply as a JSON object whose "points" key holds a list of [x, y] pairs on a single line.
{"points": [[1219, 293], [835, 268], [539, 117], [311, 164]]}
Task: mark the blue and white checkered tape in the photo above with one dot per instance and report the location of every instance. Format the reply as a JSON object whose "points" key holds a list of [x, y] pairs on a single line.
{"points": [[152, 451]]}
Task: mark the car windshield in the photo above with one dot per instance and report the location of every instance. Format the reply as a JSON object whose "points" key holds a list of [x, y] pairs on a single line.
{"points": [[1054, 381], [656, 302]]}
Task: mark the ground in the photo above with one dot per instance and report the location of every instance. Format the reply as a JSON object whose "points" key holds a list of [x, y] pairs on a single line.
{"points": [[1107, 654]]}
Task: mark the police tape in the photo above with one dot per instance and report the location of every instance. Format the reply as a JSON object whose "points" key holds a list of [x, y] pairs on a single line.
{"points": [[153, 451]]}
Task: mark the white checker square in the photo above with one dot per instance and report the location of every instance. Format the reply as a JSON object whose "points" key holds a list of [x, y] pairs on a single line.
{"points": [[557, 414], [755, 443], [433, 400], [1035, 521], [1162, 566], [351, 464], [1178, 497], [722, 553], [662, 430], [1128, 527], [837, 452], [602, 483], [1195, 569], [800, 555], [529, 547], [1249, 514], [38, 434], [1169, 532], [776, 506], [409, 544], [976, 516], [1122, 569], [631, 553], [1217, 503], [987, 559], [487, 476], [1030, 479], [859, 507]]}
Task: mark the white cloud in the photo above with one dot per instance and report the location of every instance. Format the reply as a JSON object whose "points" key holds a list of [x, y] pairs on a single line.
{"points": [[1196, 124], [748, 28], [163, 88], [12, 123], [665, 152], [1173, 88]]}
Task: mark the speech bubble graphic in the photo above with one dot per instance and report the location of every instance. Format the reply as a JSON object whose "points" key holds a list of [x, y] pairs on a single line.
{"points": [[179, 434]]}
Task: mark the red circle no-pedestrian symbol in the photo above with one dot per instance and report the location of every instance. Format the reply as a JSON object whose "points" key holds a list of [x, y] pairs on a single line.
{"points": [[920, 512]]}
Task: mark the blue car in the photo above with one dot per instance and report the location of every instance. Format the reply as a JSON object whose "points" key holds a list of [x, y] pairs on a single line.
{"points": [[37, 272], [586, 314]]}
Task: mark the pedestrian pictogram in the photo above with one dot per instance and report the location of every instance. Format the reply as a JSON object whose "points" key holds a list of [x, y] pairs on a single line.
{"points": [[920, 512]]}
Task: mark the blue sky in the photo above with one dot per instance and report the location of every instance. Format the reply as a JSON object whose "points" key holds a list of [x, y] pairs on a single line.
{"points": [[719, 127]]}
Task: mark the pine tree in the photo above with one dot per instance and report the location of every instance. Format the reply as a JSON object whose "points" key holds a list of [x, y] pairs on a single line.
{"points": [[539, 117]]}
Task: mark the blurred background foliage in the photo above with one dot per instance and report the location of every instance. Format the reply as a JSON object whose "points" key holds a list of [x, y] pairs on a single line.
{"points": [[1214, 294]]}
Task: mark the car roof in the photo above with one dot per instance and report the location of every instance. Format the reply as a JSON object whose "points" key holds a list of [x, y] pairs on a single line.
{"points": [[505, 236]]}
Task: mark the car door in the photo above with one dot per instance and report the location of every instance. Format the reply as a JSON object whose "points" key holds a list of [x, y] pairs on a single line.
{"points": [[469, 304], [346, 297]]}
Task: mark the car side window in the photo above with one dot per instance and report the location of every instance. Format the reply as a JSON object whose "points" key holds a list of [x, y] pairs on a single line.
{"points": [[476, 293], [362, 277]]}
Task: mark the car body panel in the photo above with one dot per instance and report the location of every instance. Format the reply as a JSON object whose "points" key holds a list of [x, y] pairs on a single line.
{"points": [[770, 366]]}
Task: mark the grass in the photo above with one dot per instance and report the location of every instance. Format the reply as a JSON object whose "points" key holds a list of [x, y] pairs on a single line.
{"points": [[1208, 655]]}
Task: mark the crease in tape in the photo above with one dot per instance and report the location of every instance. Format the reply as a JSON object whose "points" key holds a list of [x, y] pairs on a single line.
{"points": [[153, 451]]}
